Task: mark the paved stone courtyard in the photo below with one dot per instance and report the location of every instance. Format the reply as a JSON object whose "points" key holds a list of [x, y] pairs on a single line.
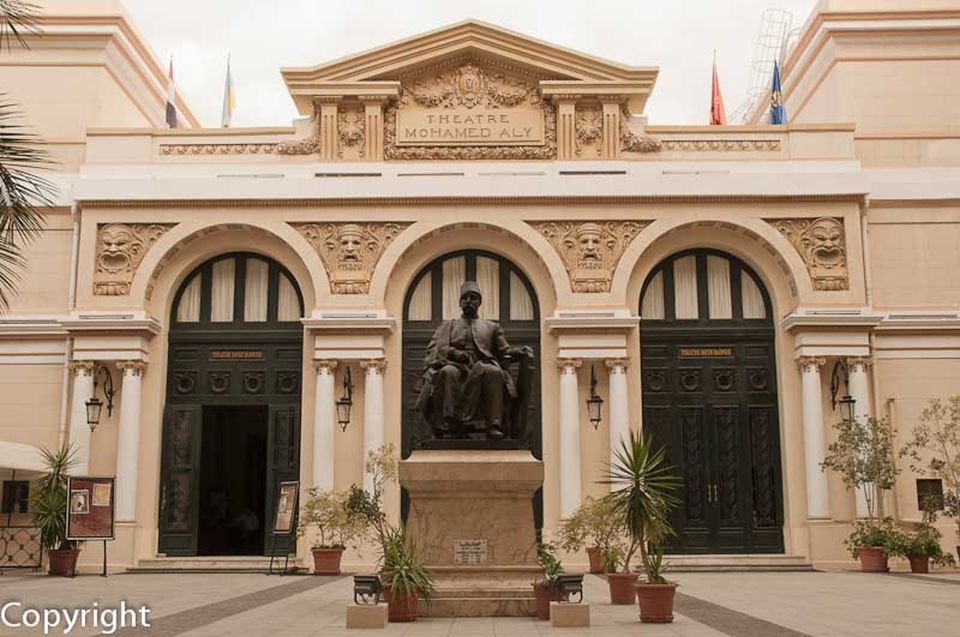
{"points": [[708, 604]]}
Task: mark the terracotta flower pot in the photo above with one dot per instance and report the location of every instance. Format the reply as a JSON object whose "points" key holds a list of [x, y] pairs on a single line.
{"points": [[873, 560], [595, 555], [919, 563], [401, 608], [542, 593], [622, 587], [656, 602], [326, 561], [62, 562]]}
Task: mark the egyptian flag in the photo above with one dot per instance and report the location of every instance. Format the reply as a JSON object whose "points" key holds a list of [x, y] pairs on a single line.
{"points": [[171, 98], [778, 112], [718, 115], [229, 99]]}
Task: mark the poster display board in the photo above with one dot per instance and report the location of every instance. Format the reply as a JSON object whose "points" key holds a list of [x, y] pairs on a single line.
{"points": [[90, 508], [286, 509]]}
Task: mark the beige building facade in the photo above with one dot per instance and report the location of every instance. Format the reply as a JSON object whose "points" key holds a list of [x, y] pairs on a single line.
{"points": [[710, 277]]}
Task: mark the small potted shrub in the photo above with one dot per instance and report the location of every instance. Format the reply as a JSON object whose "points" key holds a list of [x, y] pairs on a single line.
{"points": [[863, 456], [934, 450], [50, 511], [874, 543], [592, 525], [922, 545], [326, 514], [545, 590], [405, 579], [643, 495]]}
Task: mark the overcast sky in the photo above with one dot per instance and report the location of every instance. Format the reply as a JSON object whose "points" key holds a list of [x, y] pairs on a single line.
{"points": [[679, 36]]}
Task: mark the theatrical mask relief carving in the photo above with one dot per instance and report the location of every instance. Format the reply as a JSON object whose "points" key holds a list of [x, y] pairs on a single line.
{"points": [[590, 250], [120, 250], [822, 244], [350, 251]]}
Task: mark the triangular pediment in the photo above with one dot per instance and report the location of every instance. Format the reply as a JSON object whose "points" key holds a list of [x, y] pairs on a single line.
{"points": [[382, 70]]}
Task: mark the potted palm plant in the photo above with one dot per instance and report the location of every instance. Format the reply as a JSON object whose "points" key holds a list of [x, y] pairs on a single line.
{"points": [[405, 579], [333, 524], [642, 497], [922, 545], [594, 525], [545, 590], [50, 511]]}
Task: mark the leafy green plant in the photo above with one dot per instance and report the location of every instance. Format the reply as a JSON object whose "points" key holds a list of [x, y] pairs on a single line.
{"points": [[593, 524], [934, 450], [873, 534], [50, 498], [611, 558], [657, 567], [550, 563], [643, 496], [924, 539], [401, 571], [862, 455], [382, 467], [326, 512]]}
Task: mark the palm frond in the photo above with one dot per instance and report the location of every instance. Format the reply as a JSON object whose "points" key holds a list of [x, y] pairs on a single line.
{"points": [[17, 18]]}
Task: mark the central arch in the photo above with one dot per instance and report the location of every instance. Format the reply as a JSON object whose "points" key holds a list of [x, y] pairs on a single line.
{"points": [[710, 399]]}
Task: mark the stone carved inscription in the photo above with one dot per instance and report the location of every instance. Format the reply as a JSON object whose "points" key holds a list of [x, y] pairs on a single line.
{"points": [[590, 250], [350, 251], [822, 244], [120, 249], [470, 112], [469, 551]]}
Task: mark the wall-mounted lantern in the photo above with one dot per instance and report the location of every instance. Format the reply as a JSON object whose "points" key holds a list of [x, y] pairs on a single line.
{"points": [[95, 405], [345, 402], [594, 401], [846, 402]]}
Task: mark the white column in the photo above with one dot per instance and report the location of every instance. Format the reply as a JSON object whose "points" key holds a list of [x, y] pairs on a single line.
{"points": [[814, 448], [79, 429], [372, 412], [619, 405], [128, 439], [859, 388], [324, 422], [569, 436]]}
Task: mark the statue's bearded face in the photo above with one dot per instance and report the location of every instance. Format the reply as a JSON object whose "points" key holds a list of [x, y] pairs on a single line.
{"points": [[827, 238], [588, 244], [115, 244], [350, 248], [470, 304]]}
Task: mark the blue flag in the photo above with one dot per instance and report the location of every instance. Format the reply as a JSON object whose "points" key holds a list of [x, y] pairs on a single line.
{"points": [[778, 112]]}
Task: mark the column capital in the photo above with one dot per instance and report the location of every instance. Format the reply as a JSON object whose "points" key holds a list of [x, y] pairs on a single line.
{"points": [[572, 364], [854, 362], [325, 365], [374, 365], [811, 363], [134, 368], [617, 365], [83, 368]]}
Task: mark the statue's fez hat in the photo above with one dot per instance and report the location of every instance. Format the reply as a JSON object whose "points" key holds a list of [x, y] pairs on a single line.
{"points": [[470, 286]]}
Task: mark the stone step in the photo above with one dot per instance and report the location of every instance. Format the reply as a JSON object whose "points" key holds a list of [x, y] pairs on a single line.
{"points": [[736, 563], [211, 564], [483, 593], [479, 607]]}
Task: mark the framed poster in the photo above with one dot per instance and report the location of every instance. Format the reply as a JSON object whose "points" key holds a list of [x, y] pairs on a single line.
{"points": [[90, 507], [286, 511]]}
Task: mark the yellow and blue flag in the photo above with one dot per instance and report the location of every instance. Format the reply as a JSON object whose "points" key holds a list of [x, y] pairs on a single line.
{"points": [[778, 112], [229, 100]]}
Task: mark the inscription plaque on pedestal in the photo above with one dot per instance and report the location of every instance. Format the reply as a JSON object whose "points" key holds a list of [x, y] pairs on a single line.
{"points": [[469, 551]]}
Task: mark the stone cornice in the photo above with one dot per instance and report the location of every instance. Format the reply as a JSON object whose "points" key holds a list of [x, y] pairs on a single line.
{"points": [[610, 321], [840, 318], [129, 322], [351, 322]]}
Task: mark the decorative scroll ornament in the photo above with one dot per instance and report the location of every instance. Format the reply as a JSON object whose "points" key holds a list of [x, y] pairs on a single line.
{"points": [[306, 146], [120, 249], [466, 87], [351, 129], [218, 149], [589, 127], [630, 141], [590, 250], [350, 251], [721, 145], [822, 244]]}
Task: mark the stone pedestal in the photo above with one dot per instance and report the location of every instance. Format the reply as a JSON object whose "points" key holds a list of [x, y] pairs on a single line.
{"points": [[569, 615], [471, 515], [366, 616]]}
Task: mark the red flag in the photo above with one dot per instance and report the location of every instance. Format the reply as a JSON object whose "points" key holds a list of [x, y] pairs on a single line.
{"points": [[718, 115], [171, 114]]}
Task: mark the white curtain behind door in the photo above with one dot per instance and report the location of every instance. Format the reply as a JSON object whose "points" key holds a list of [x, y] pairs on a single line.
{"points": [[221, 297]]}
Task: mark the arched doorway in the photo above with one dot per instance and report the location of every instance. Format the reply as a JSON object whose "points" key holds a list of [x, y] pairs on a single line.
{"points": [[710, 398], [231, 429], [433, 297]]}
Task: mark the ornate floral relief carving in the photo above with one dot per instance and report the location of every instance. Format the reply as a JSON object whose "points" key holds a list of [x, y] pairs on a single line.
{"points": [[630, 141], [308, 145], [822, 244], [590, 250], [350, 251], [351, 130], [470, 85], [218, 149], [721, 145], [589, 128], [120, 249]]}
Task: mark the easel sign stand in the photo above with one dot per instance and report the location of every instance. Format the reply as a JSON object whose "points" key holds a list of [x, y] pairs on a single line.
{"points": [[91, 512], [284, 521]]}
